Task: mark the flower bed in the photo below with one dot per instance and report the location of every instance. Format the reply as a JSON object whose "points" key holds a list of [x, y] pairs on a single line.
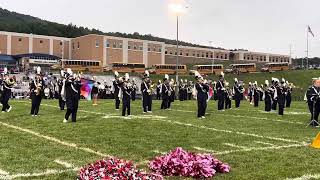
{"points": [[115, 169], [183, 163]]}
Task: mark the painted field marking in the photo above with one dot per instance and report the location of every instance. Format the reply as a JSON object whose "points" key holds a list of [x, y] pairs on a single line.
{"points": [[2, 172], [306, 177], [52, 139], [235, 146], [63, 163], [264, 143], [45, 173], [159, 152], [249, 149], [231, 132]]}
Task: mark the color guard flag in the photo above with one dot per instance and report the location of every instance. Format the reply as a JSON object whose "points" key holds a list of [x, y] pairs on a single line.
{"points": [[310, 31], [210, 93], [86, 88]]}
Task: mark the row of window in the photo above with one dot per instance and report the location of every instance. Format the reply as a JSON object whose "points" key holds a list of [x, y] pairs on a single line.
{"points": [[258, 58], [41, 41], [81, 63], [172, 67], [210, 67], [225, 56], [243, 66]]}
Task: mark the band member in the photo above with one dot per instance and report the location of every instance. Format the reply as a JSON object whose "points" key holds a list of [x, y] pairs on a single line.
{"points": [[165, 93], [255, 94], [228, 96], [260, 90], [116, 89], [313, 99], [126, 89], [1, 85], [159, 90], [36, 92], [267, 96], [185, 92], [274, 86], [281, 96], [220, 86], [181, 90], [72, 95], [134, 89], [288, 96], [201, 92], [189, 90], [172, 93], [146, 89], [237, 92], [60, 84], [250, 92], [7, 84], [95, 91]]}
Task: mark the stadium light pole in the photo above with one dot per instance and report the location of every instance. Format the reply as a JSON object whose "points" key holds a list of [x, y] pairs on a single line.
{"points": [[178, 9], [210, 44]]}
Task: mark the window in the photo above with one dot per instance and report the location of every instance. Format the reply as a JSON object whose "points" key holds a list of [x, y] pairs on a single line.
{"points": [[107, 44], [97, 43], [211, 56], [141, 48], [61, 43], [120, 45], [154, 48], [180, 53], [129, 47], [20, 39], [114, 45], [72, 45], [166, 52], [198, 55], [175, 53], [135, 47], [41, 41], [160, 50], [149, 49], [187, 54], [78, 45]]}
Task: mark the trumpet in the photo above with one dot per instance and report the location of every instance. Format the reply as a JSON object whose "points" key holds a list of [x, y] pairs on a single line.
{"points": [[151, 89]]}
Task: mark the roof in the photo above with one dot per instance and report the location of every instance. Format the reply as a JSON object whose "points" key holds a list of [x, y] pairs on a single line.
{"points": [[4, 57], [37, 56]]}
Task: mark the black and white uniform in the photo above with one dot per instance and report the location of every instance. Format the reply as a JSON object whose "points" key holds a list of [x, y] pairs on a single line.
{"points": [[6, 94], [126, 98], [36, 92], [146, 96], [281, 98], [171, 96], [237, 94], [159, 91], [72, 91], [267, 99], [116, 88], [220, 93], [165, 96], [313, 99], [288, 97], [202, 97], [274, 96], [134, 91], [228, 98], [62, 100], [256, 96]]}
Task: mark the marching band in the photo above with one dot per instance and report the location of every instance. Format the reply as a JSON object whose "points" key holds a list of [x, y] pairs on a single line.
{"points": [[276, 95]]}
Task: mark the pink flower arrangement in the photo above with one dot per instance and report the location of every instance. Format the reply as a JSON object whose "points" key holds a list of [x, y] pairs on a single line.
{"points": [[115, 169], [183, 163]]}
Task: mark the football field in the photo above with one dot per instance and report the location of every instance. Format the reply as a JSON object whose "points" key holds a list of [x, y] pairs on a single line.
{"points": [[257, 145]]}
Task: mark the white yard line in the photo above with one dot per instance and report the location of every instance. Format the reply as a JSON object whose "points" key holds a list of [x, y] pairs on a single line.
{"points": [[235, 146], [2, 172], [159, 152], [45, 173], [52, 139], [231, 132], [306, 177], [249, 149], [264, 143], [63, 163]]}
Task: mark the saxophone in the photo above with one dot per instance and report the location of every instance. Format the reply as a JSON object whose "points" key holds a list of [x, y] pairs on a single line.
{"points": [[151, 89]]}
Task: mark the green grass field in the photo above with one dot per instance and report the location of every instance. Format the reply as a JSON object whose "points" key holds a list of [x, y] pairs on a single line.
{"points": [[257, 145]]}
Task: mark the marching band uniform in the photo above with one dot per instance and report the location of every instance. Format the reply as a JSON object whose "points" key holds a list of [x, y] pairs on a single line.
{"points": [[256, 95], [116, 88], [62, 101], [189, 90], [238, 93], [313, 99], [126, 89], [72, 93], [36, 89], [146, 93], [228, 97], [202, 95], [281, 97], [171, 93], [134, 90], [250, 92], [274, 94], [181, 90], [221, 91], [165, 93], [288, 96], [7, 85], [1, 86], [159, 90], [267, 97]]}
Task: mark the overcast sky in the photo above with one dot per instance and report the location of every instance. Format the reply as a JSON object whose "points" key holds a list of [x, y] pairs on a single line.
{"points": [[256, 25]]}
